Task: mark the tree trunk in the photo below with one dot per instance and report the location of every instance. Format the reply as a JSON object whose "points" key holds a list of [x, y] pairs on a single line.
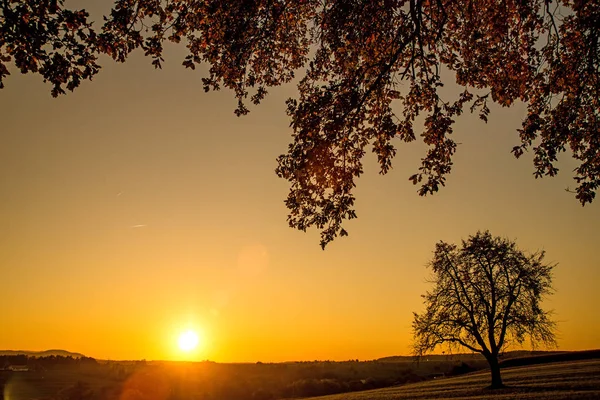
{"points": [[495, 372]]}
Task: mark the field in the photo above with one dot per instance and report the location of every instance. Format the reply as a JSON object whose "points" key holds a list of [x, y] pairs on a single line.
{"points": [[568, 375], [557, 381], [68, 378]]}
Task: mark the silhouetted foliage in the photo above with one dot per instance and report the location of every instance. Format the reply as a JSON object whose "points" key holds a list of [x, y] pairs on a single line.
{"points": [[486, 296], [78, 391], [108, 380], [19, 359], [461, 369], [43, 37], [209, 380], [372, 67]]}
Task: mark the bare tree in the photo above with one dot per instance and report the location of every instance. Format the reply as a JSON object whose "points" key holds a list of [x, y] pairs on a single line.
{"points": [[486, 296]]}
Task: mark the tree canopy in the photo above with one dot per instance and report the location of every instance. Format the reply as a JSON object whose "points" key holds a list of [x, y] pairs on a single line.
{"points": [[370, 69], [486, 296]]}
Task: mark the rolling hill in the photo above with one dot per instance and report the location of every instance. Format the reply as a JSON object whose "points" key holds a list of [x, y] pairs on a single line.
{"points": [[558, 381], [44, 353]]}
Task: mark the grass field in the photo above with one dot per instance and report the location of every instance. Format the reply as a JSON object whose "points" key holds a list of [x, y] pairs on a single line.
{"points": [[556, 381], [567, 379], [45, 385]]}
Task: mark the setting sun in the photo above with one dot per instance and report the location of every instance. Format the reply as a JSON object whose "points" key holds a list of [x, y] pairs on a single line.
{"points": [[188, 340]]}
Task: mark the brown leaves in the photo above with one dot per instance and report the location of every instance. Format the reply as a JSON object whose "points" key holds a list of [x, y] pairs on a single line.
{"points": [[371, 69], [374, 61], [42, 37]]}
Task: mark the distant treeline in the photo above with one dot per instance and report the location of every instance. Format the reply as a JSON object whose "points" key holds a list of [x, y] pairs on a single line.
{"points": [[84, 378], [48, 361], [65, 378]]}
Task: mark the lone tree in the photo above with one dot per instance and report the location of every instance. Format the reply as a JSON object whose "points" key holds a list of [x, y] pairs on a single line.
{"points": [[371, 67], [486, 296]]}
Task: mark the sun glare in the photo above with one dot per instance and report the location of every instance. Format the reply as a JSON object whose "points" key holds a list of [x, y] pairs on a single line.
{"points": [[188, 340]]}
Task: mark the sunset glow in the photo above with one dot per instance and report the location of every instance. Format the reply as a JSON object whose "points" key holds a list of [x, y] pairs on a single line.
{"points": [[141, 219]]}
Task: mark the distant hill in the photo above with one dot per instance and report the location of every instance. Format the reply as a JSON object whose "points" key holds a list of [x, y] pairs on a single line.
{"points": [[549, 357], [432, 357], [470, 356], [45, 353], [558, 381]]}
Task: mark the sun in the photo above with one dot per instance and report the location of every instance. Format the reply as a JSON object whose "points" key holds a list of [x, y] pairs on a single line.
{"points": [[188, 340]]}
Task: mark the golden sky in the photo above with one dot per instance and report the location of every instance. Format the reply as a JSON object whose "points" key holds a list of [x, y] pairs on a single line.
{"points": [[139, 206]]}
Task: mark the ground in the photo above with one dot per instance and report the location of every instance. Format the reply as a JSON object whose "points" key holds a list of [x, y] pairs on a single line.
{"points": [[561, 380]]}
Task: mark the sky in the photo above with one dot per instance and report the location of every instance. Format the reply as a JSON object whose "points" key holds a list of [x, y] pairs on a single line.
{"points": [[138, 207]]}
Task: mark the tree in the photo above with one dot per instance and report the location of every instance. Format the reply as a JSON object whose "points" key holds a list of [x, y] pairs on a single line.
{"points": [[372, 67], [486, 296]]}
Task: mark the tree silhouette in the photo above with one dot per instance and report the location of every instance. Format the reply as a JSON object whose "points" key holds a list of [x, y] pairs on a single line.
{"points": [[486, 296], [371, 66]]}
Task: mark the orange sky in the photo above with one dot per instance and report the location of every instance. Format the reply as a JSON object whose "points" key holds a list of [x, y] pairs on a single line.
{"points": [[139, 206]]}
